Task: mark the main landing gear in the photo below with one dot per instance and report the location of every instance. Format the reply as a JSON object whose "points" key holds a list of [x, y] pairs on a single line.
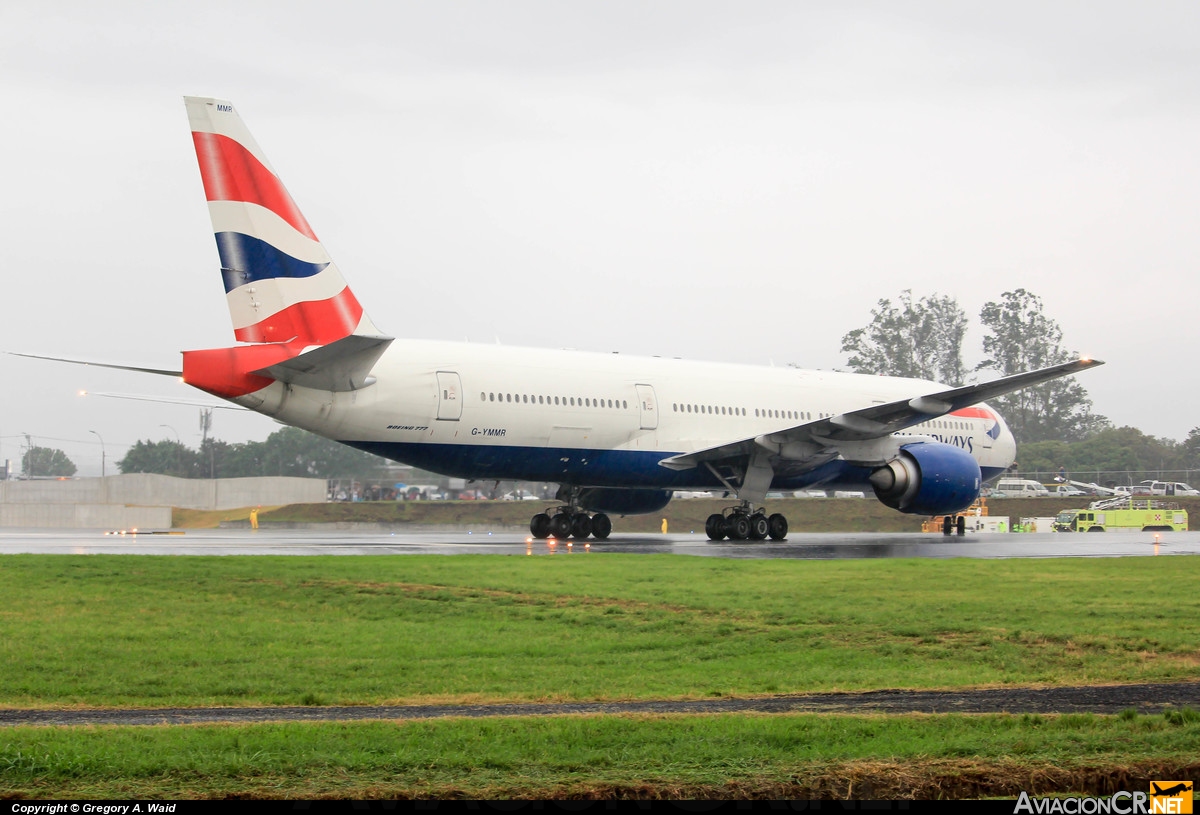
{"points": [[570, 523], [746, 523]]}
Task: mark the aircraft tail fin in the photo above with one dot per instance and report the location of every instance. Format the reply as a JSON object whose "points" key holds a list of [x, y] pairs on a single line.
{"points": [[280, 283]]}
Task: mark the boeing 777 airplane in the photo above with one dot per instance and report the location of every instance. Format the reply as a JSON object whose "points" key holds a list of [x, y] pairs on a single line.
{"points": [[618, 433]]}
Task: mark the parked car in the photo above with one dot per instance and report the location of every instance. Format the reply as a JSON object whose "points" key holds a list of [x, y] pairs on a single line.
{"points": [[1169, 488], [1067, 491], [1136, 489]]}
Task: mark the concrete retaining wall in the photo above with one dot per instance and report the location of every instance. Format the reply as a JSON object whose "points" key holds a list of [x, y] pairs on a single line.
{"points": [[142, 500], [84, 516], [148, 489]]}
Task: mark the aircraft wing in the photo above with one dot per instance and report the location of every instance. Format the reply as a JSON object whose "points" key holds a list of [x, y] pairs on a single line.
{"points": [[810, 439]]}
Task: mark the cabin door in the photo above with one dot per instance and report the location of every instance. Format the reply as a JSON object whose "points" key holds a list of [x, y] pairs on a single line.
{"points": [[449, 397], [647, 406]]}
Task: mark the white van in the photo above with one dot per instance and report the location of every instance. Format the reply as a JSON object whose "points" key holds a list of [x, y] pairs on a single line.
{"points": [[1021, 488]]}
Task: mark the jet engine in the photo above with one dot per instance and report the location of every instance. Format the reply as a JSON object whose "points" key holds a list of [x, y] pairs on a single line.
{"points": [[928, 478], [623, 502]]}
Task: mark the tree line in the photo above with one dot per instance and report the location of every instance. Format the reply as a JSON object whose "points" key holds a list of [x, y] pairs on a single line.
{"points": [[1113, 450], [288, 451]]}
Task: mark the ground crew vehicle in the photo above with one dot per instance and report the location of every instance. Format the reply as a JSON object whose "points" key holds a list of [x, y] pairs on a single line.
{"points": [[1021, 488], [1125, 513]]}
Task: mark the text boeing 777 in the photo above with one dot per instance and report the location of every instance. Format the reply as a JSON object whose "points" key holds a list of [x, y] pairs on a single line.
{"points": [[618, 433]]}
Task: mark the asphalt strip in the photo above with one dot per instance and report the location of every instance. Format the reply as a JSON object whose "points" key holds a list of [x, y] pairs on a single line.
{"points": [[1103, 699]]}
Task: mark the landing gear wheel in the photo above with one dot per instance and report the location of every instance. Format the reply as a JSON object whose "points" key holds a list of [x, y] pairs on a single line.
{"points": [[738, 527], [601, 526], [581, 526], [961, 525], [759, 527], [539, 526], [777, 527], [560, 526], [947, 525], [714, 527]]}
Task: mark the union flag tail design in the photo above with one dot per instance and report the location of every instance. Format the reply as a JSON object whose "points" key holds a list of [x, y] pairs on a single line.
{"points": [[280, 283]]}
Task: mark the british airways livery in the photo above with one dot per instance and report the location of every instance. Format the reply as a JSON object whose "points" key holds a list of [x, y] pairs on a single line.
{"points": [[618, 433]]}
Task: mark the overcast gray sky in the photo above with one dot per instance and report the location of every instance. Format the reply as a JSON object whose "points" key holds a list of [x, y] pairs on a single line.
{"points": [[738, 182]]}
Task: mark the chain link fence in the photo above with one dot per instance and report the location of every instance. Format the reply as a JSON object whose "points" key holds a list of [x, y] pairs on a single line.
{"points": [[1108, 478]]}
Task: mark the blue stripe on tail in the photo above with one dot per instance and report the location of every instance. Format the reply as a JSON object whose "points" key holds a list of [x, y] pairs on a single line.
{"points": [[245, 259]]}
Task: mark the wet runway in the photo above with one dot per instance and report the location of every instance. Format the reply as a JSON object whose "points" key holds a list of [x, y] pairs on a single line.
{"points": [[806, 546]]}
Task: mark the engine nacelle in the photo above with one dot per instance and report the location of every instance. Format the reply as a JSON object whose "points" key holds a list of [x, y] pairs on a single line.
{"points": [[928, 478], [623, 502]]}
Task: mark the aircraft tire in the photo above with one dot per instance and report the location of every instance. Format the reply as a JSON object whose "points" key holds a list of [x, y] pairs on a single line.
{"points": [[539, 526], [778, 527], [947, 525], [739, 527], [581, 526], [601, 526], [560, 526], [759, 527], [961, 525], [714, 527]]}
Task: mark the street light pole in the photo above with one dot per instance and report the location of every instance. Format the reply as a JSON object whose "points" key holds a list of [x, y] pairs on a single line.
{"points": [[178, 449], [103, 455]]}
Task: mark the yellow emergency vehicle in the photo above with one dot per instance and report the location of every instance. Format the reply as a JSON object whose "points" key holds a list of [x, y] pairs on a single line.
{"points": [[1124, 513]]}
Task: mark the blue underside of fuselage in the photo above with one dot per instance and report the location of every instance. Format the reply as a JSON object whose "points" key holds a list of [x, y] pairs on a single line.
{"points": [[632, 469]]}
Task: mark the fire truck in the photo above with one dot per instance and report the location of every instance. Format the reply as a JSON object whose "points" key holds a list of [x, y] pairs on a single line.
{"points": [[1124, 513]]}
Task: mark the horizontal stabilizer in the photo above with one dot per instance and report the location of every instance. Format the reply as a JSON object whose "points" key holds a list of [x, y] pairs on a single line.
{"points": [[342, 365], [140, 397], [159, 371]]}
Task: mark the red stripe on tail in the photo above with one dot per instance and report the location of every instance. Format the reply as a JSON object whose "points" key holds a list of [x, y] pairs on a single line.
{"points": [[231, 173], [315, 322]]}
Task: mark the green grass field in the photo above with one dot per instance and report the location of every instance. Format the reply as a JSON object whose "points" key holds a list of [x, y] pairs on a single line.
{"points": [[785, 756], [150, 632], [128, 630]]}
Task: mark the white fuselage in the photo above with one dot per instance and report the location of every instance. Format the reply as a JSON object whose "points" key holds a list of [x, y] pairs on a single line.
{"points": [[496, 412]]}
